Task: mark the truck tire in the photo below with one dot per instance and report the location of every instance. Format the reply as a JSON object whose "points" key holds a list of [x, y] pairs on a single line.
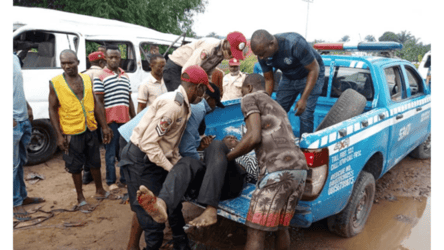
{"points": [[349, 104], [424, 150], [351, 220], [43, 142]]}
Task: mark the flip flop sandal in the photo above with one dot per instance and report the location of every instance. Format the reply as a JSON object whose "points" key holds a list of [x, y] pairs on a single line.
{"points": [[81, 204], [107, 194], [22, 218], [36, 200]]}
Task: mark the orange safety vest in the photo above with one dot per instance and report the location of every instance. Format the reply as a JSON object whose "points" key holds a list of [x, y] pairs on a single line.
{"points": [[75, 115]]}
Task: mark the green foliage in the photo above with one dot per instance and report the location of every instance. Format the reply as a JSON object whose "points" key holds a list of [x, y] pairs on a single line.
{"points": [[388, 36], [247, 65], [169, 16], [411, 51]]}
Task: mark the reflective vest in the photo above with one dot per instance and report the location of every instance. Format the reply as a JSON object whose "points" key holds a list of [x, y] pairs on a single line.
{"points": [[75, 115]]}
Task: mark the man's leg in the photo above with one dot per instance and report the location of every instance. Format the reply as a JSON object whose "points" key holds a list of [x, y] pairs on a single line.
{"points": [[92, 154], [255, 239], [307, 118], [282, 241], [19, 187], [135, 233], [210, 191], [140, 171], [110, 155], [286, 94]]}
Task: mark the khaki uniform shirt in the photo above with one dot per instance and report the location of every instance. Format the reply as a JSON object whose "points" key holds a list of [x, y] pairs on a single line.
{"points": [[277, 150], [93, 71], [159, 131], [150, 90], [233, 86], [198, 53]]}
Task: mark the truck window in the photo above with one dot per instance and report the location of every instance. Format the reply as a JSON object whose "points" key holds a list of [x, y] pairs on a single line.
{"points": [[414, 81], [354, 78], [395, 83], [327, 76], [128, 57], [41, 49]]}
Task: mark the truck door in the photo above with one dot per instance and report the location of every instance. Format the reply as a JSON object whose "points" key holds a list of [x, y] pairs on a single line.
{"points": [[421, 108], [401, 116]]}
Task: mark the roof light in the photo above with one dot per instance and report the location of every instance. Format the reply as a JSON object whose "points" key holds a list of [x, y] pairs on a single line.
{"points": [[363, 46]]}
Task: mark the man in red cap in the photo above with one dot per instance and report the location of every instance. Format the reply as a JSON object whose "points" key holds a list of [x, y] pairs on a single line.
{"points": [[232, 83], [206, 52], [153, 150], [98, 62]]}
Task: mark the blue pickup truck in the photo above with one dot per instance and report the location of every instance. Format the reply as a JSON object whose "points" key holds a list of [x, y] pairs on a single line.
{"points": [[347, 157]]}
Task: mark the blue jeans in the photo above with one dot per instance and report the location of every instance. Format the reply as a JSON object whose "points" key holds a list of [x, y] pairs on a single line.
{"points": [[22, 136], [290, 89], [112, 152]]}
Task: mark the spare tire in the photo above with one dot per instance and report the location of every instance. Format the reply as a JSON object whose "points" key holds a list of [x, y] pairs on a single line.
{"points": [[43, 142], [349, 104]]}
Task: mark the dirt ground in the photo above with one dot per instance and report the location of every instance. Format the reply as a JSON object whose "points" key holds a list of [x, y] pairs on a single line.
{"points": [[400, 217]]}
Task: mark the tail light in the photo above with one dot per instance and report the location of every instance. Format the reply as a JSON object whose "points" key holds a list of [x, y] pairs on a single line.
{"points": [[317, 162]]}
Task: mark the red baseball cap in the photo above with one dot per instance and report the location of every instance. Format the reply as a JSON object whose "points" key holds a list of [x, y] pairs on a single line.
{"points": [[96, 56], [234, 62], [196, 75], [238, 42]]}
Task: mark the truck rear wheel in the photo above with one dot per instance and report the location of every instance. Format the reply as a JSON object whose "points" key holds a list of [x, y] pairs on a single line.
{"points": [[424, 150], [349, 104], [43, 142], [351, 220]]}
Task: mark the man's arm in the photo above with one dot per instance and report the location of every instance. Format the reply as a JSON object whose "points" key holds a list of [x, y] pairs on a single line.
{"points": [[132, 111], [55, 119], [99, 114], [140, 106], [251, 139], [312, 77], [30, 115], [269, 82]]}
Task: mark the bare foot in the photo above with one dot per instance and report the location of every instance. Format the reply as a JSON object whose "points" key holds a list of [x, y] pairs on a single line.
{"points": [[207, 218], [102, 195], [32, 200], [154, 206]]}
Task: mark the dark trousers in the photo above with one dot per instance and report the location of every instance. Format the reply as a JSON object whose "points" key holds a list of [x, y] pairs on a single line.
{"points": [[216, 179], [171, 75], [139, 170]]}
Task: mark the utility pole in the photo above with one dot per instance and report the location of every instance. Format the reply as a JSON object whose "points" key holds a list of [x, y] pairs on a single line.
{"points": [[308, 6]]}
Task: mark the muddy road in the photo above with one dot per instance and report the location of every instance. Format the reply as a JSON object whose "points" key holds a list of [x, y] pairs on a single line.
{"points": [[400, 217]]}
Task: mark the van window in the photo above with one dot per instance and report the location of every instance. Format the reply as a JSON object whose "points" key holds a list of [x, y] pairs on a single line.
{"points": [[354, 78], [395, 83], [414, 81], [41, 49], [147, 49], [128, 58]]}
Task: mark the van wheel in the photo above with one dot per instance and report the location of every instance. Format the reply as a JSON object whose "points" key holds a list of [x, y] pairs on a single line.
{"points": [[424, 150], [43, 142], [349, 104], [351, 220]]}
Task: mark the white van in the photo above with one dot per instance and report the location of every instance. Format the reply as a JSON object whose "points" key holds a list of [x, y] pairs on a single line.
{"points": [[425, 64], [39, 37]]}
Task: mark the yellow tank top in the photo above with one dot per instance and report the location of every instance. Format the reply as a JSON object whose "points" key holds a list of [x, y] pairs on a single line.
{"points": [[75, 115]]}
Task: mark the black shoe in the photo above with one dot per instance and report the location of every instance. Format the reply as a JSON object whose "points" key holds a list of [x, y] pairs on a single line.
{"points": [[87, 177], [181, 243]]}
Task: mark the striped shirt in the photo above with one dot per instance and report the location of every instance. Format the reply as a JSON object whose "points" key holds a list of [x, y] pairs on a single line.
{"points": [[116, 90]]}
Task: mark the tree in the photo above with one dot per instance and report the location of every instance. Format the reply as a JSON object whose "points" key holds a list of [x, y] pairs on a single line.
{"points": [[345, 39], [404, 36], [370, 38], [212, 34], [388, 36], [412, 51], [169, 16]]}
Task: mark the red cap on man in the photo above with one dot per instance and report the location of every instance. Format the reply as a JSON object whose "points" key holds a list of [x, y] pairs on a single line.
{"points": [[234, 62], [238, 42], [196, 74], [96, 56]]}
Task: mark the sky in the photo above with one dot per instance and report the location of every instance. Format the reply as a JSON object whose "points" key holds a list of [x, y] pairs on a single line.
{"points": [[328, 20]]}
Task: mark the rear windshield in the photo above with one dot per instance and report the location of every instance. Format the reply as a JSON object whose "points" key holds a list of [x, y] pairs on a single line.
{"points": [[355, 78]]}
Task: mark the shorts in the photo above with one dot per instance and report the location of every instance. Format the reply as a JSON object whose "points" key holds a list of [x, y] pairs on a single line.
{"points": [[83, 150], [274, 201]]}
